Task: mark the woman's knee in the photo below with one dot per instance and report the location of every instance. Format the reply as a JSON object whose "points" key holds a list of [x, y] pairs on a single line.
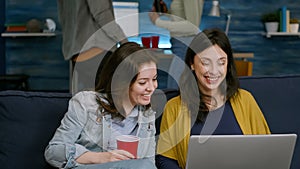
{"points": [[126, 164]]}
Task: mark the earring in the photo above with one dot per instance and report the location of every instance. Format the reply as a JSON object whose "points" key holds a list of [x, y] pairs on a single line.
{"points": [[192, 67]]}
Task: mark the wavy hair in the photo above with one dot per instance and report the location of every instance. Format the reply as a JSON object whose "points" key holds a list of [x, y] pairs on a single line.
{"points": [[118, 73], [190, 93]]}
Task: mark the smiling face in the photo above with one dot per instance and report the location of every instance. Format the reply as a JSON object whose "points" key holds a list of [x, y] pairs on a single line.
{"points": [[146, 82], [210, 67]]}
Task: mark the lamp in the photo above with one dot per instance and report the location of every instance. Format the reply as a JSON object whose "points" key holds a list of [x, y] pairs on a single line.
{"points": [[215, 11]]}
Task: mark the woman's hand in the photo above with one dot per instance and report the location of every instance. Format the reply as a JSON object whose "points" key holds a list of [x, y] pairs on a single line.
{"points": [[117, 155], [153, 16], [104, 157]]}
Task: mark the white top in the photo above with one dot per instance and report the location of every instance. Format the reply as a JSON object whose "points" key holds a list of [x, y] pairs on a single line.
{"points": [[185, 18]]}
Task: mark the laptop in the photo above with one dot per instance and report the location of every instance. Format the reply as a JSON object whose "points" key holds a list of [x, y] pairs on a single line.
{"points": [[274, 151]]}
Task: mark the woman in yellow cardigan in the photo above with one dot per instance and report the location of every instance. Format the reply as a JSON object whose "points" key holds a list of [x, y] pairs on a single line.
{"points": [[210, 101]]}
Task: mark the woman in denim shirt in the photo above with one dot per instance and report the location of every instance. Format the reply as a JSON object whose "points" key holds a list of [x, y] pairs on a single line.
{"points": [[119, 105]]}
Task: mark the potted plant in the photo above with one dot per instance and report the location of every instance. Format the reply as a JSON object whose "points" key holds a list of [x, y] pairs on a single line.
{"points": [[271, 21], [294, 25]]}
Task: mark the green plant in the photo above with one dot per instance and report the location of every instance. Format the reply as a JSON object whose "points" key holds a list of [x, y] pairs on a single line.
{"points": [[270, 17], [294, 20]]}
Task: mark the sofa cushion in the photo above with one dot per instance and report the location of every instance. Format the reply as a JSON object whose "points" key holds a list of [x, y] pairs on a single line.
{"points": [[278, 98], [28, 121]]}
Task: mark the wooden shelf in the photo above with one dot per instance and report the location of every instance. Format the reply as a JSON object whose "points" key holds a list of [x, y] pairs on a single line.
{"points": [[25, 34], [270, 34]]}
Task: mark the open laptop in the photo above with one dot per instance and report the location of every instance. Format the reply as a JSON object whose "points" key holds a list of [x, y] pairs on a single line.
{"points": [[273, 151]]}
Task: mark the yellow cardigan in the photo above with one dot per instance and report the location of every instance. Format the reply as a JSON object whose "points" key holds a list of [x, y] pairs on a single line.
{"points": [[175, 125]]}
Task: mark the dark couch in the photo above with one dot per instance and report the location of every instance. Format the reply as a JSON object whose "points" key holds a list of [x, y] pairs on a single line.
{"points": [[29, 119]]}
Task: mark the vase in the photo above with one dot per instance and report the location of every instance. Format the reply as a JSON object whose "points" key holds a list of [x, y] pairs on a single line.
{"points": [[294, 27], [271, 26]]}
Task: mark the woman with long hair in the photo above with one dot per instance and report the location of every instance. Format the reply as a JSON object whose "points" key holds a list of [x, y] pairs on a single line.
{"points": [[210, 101], [119, 105]]}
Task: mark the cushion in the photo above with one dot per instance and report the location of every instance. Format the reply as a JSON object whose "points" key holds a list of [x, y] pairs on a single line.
{"points": [[28, 121], [278, 98]]}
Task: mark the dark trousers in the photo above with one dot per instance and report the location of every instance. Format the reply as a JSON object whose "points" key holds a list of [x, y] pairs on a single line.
{"points": [[85, 73]]}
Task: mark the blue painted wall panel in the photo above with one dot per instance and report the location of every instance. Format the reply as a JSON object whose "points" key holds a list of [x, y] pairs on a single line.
{"points": [[273, 56], [42, 59], [39, 57], [2, 41]]}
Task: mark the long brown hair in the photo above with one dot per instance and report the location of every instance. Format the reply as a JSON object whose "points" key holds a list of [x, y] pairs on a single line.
{"points": [[118, 74], [190, 94]]}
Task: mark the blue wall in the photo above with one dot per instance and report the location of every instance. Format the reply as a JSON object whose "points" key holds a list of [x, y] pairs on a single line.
{"points": [[2, 44], [42, 59], [273, 56], [39, 57]]}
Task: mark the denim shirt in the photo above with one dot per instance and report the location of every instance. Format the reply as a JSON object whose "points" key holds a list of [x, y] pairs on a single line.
{"points": [[84, 128]]}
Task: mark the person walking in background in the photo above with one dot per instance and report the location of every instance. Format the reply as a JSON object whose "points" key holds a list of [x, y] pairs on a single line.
{"points": [[185, 18], [210, 101], [89, 30], [119, 105]]}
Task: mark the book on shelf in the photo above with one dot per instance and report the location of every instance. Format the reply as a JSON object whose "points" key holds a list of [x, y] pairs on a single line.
{"points": [[280, 20], [283, 19], [15, 27], [287, 20], [284, 23]]}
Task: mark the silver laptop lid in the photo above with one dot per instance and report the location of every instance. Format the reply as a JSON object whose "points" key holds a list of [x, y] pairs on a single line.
{"points": [[273, 151]]}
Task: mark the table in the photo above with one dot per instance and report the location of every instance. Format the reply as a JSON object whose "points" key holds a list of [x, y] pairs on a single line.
{"points": [[243, 56]]}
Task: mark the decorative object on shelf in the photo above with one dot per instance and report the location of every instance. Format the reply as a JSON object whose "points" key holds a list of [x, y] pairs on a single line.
{"points": [[215, 11], [294, 25], [50, 25], [34, 26], [271, 21]]}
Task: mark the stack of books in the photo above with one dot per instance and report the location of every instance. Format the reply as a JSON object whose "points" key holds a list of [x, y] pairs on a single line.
{"points": [[284, 25], [16, 27]]}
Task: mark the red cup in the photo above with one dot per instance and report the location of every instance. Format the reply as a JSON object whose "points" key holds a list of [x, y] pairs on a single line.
{"points": [[146, 41], [155, 41], [128, 143]]}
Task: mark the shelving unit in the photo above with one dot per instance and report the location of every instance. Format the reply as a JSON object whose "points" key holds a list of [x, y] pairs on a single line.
{"points": [[26, 34], [270, 34]]}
